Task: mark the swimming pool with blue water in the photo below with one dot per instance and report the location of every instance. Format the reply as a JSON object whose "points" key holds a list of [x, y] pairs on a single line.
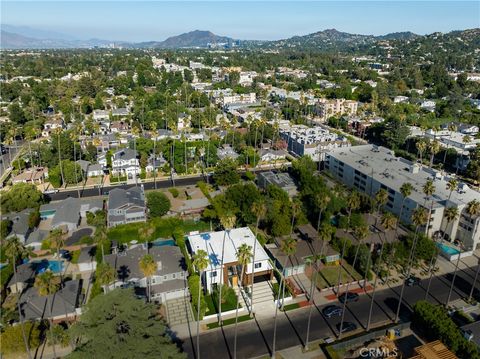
{"points": [[447, 249]]}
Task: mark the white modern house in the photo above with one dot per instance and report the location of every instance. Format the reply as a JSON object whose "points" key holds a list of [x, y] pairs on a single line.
{"points": [[124, 163], [222, 248]]}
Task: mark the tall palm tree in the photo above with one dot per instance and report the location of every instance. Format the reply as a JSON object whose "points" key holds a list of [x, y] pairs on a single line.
{"points": [[421, 147], [148, 266], [200, 262], [46, 285], [434, 148], [288, 247], [146, 231], [451, 214], [135, 134], [14, 249], [153, 129], [428, 189], [381, 199], [388, 222], [296, 205], [101, 239], [406, 190], [259, 209], [419, 218], [58, 132], [451, 128], [105, 274], [57, 241], [228, 222], [321, 201], [361, 233], [353, 202], [244, 255], [473, 210], [73, 137]]}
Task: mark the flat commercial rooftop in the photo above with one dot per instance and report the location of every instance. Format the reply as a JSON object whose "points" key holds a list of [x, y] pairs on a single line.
{"points": [[383, 166]]}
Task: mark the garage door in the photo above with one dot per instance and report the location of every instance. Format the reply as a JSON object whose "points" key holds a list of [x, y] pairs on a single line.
{"points": [[261, 278]]}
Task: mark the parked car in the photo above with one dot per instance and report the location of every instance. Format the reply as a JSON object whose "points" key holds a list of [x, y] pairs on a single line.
{"points": [[65, 254], [332, 310], [412, 280], [50, 191], [347, 327], [349, 296]]}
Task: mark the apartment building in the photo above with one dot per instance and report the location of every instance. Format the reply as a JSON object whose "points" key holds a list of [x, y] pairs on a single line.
{"points": [[329, 108], [369, 168], [311, 141]]}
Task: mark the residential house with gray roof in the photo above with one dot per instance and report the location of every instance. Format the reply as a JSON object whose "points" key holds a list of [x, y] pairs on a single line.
{"points": [[126, 206], [20, 227], [67, 214], [169, 280], [60, 306]]}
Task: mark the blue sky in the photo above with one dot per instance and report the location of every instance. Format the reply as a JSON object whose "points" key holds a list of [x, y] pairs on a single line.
{"points": [[156, 20]]}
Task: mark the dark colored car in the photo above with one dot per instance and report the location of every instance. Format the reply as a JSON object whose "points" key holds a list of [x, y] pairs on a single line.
{"points": [[350, 297], [65, 254], [412, 280], [332, 310], [347, 327]]}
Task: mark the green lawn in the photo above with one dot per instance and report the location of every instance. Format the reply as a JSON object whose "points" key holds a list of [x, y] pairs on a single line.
{"points": [[212, 304], [328, 275], [164, 228], [292, 306], [229, 321]]}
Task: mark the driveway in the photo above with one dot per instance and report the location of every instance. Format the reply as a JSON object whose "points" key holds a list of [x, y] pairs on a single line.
{"points": [[76, 236]]}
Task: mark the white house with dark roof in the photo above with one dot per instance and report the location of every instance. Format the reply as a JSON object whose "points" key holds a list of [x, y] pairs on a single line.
{"points": [[126, 206], [125, 163], [169, 280], [224, 269]]}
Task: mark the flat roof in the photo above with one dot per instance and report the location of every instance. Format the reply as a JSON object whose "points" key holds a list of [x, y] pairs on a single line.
{"points": [[392, 171], [212, 243]]}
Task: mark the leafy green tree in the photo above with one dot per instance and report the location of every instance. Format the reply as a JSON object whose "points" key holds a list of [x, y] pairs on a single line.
{"points": [[5, 228], [19, 197], [158, 204], [117, 325], [225, 173]]}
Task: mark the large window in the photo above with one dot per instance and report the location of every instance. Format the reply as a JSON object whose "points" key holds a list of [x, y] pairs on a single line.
{"points": [[258, 265], [213, 274]]}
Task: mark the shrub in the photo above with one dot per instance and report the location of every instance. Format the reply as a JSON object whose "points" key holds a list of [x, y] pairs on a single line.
{"points": [[174, 192], [33, 219], [434, 321], [46, 244], [250, 176], [158, 204], [194, 289], [75, 256], [58, 336]]}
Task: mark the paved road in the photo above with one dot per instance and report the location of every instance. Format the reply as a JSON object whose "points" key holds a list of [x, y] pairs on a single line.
{"points": [[255, 337], [5, 159], [103, 191]]}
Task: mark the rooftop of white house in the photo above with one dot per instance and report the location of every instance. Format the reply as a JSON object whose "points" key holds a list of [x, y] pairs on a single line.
{"points": [[381, 164], [212, 243]]}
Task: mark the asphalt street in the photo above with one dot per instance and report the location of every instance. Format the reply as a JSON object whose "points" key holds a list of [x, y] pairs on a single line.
{"points": [[255, 337]]}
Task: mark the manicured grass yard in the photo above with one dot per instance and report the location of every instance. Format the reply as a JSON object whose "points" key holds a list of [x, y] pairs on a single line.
{"points": [[212, 304], [328, 276], [229, 321], [288, 307], [164, 228]]}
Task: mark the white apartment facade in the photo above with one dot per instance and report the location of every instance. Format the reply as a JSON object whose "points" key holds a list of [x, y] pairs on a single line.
{"points": [[311, 141], [369, 168], [329, 108]]}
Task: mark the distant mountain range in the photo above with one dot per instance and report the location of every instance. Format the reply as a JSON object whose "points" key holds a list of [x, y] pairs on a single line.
{"points": [[26, 38]]}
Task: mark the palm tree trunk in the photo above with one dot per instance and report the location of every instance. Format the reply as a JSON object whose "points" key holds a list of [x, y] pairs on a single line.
{"points": [[340, 266], [276, 308], [75, 168], [409, 267], [431, 265], [154, 160], [198, 314], [25, 341], [221, 281], [474, 281], [375, 285], [453, 280], [236, 314], [253, 267], [60, 161], [346, 290]]}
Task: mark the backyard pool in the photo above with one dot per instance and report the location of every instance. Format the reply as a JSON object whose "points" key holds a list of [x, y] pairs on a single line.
{"points": [[163, 242], [447, 249], [42, 266]]}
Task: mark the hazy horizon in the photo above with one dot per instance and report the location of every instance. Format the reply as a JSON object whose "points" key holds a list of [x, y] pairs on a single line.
{"points": [[247, 20]]}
